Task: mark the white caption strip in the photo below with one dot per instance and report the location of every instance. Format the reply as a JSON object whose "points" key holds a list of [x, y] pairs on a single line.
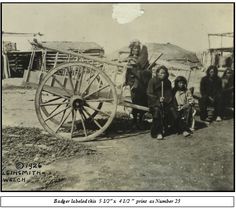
{"points": [[128, 201]]}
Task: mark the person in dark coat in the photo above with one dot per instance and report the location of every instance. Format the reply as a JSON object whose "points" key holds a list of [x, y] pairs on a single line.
{"points": [[137, 77], [211, 94], [228, 88], [160, 102]]}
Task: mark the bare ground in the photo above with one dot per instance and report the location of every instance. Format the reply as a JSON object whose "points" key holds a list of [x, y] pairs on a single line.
{"points": [[119, 161]]}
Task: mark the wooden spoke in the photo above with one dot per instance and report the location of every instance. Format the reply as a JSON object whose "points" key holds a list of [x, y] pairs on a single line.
{"points": [[80, 81], [85, 132], [70, 80], [82, 113], [96, 109], [54, 99], [49, 104], [100, 89], [63, 121], [62, 117], [90, 83], [100, 82], [76, 80], [51, 116], [73, 122], [56, 108], [55, 93], [90, 116], [61, 85]]}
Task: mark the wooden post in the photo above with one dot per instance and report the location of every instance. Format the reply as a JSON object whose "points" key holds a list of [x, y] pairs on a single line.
{"points": [[189, 74], [162, 89], [44, 54], [56, 58], [68, 58], [209, 41], [5, 66], [30, 65]]}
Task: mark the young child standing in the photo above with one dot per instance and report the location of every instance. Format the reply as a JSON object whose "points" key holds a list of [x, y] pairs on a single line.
{"points": [[184, 102], [160, 102]]}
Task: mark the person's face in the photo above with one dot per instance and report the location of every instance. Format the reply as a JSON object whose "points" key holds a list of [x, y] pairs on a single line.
{"points": [[181, 85], [162, 74], [212, 73], [135, 51]]}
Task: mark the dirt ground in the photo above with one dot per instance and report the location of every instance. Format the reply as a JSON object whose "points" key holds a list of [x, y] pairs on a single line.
{"points": [[123, 160]]}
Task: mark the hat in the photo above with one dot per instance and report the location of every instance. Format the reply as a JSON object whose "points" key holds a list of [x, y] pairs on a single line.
{"points": [[134, 42]]}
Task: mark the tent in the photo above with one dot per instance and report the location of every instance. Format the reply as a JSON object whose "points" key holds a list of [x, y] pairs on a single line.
{"points": [[173, 56]]}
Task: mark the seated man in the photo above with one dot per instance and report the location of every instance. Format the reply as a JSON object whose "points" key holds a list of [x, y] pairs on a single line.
{"points": [[228, 88], [211, 94]]}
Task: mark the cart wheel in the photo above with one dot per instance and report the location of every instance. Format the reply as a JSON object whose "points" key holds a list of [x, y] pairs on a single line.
{"points": [[54, 120], [65, 124], [77, 101]]}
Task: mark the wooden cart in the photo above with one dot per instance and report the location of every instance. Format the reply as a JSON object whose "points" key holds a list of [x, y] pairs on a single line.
{"points": [[78, 100]]}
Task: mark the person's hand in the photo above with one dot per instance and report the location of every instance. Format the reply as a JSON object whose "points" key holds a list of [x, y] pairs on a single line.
{"points": [[132, 63], [132, 60], [211, 99], [162, 99], [191, 101], [180, 108]]}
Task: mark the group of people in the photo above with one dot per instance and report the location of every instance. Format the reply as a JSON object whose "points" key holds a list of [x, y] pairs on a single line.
{"points": [[174, 107]]}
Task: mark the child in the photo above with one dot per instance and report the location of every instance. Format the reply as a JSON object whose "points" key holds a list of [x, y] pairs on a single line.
{"points": [[160, 102], [184, 101]]}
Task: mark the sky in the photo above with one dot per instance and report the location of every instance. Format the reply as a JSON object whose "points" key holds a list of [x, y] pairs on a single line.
{"points": [[186, 25]]}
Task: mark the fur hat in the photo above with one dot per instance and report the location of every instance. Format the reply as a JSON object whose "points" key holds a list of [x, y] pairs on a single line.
{"points": [[179, 79], [134, 42]]}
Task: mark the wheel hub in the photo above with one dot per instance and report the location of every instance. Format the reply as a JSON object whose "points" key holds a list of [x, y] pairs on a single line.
{"points": [[77, 102]]}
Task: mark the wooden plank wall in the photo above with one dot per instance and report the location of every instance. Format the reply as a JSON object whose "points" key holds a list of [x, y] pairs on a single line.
{"points": [[42, 60]]}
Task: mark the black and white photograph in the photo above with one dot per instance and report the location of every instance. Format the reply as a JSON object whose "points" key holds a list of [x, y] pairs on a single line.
{"points": [[118, 97]]}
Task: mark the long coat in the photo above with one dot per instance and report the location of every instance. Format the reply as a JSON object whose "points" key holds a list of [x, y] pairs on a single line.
{"points": [[154, 92], [137, 77], [210, 87]]}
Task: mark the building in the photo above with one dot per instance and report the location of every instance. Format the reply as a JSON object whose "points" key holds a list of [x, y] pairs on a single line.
{"points": [[18, 54]]}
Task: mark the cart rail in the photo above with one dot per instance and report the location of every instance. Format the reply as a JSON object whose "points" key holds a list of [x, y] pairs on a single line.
{"points": [[80, 55]]}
